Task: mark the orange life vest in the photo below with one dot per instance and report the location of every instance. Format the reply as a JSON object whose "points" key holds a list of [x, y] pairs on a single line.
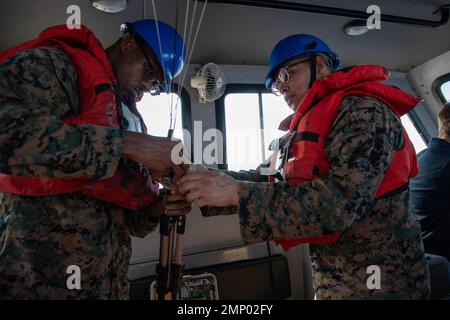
{"points": [[131, 187], [313, 119]]}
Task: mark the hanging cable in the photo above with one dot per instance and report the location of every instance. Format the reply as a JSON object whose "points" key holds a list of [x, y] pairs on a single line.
{"points": [[180, 86], [190, 46], [191, 26], [159, 39], [194, 41], [175, 41], [172, 120], [166, 84], [184, 37], [144, 9], [174, 115]]}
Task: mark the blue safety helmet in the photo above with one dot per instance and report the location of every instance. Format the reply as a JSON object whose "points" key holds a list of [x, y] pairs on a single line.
{"points": [[297, 46], [171, 54]]}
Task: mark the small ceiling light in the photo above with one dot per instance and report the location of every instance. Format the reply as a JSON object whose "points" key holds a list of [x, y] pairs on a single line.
{"points": [[356, 28], [110, 6]]}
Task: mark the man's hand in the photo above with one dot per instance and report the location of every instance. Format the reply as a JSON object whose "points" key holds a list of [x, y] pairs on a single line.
{"points": [[211, 188], [175, 204], [155, 153], [172, 204], [195, 168]]}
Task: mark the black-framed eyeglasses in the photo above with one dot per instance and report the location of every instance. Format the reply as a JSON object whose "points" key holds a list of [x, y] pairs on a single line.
{"points": [[150, 73], [150, 70], [283, 76]]}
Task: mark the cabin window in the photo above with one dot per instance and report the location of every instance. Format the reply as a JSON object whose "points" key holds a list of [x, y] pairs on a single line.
{"points": [[445, 91], [413, 134], [155, 111], [249, 117], [441, 88]]}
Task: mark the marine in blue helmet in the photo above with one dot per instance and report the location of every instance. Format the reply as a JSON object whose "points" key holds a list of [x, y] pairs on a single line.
{"points": [[306, 54], [77, 170], [342, 182], [155, 46]]}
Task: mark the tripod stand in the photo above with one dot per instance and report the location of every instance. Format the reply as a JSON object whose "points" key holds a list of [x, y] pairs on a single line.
{"points": [[169, 270]]}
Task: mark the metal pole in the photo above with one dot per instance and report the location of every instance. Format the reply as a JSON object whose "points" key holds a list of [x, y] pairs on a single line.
{"points": [[283, 5]]}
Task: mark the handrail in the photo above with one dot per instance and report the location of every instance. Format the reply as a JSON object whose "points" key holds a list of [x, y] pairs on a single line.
{"points": [[444, 10]]}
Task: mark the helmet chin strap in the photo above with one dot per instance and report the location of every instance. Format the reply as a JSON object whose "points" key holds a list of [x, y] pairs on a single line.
{"points": [[312, 64]]}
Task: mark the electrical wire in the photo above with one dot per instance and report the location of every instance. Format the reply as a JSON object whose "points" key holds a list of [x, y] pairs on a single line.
{"points": [[190, 46]]}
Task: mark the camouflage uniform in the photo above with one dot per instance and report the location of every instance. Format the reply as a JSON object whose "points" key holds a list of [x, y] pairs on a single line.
{"points": [[40, 237], [380, 232]]}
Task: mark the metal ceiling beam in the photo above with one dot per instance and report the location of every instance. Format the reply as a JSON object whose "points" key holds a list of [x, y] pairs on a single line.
{"points": [[291, 6]]}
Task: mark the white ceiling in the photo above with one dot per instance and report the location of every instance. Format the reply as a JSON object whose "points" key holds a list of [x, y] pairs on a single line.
{"points": [[232, 34]]}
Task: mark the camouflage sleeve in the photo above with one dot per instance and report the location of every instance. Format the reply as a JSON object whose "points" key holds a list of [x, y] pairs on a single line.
{"points": [[141, 222], [251, 175], [242, 175], [359, 148], [38, 87]]}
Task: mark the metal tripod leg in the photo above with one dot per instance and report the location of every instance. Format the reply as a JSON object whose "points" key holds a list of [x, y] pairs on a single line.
{"points": [[170, 268], [162, 268], [177, 265]]}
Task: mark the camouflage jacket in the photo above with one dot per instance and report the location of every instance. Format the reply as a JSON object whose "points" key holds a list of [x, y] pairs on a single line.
{"points": [[41, 237], [383, 232]]}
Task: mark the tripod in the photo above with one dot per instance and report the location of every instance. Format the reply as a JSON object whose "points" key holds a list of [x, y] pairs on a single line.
{"points": [[169, 270]]}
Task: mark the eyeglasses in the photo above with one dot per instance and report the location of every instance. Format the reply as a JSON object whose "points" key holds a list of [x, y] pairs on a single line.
{"points": [[150, 76], [150, 73], [283, 76], [150, 70]]}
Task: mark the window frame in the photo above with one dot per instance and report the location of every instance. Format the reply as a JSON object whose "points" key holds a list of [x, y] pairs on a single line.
{"points": [[220, 111], [436, 87], [420, 127]]}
